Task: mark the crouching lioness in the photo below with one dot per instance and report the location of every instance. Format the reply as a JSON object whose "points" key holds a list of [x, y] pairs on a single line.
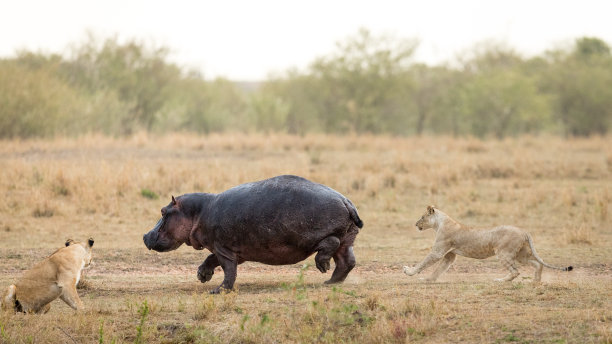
{"points": [[56, 276], [510, 244]]}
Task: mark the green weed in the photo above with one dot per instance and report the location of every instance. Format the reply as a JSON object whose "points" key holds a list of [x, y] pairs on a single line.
{"points": [[143, 311], [146, 193]]}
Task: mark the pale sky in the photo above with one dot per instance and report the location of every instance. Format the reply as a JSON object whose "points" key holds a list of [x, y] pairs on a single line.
{"points": [[248, 40]]}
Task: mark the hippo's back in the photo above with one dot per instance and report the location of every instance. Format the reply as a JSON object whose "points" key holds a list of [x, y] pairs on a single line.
{"points": [[279, 196], [285, 210]]}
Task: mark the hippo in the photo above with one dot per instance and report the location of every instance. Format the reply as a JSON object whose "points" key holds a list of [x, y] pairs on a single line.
{"points": [[277, 221]]}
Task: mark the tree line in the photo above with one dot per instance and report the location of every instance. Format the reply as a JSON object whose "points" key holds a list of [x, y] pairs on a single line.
{"points": [[368, 84]]}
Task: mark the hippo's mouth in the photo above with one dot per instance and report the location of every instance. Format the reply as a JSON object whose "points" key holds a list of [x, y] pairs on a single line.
{"points": [[161, 246], [147, 242], [151, 239]]}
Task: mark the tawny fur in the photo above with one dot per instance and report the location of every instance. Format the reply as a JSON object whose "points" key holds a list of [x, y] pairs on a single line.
{"points": [[56, 276], [511, 245]]}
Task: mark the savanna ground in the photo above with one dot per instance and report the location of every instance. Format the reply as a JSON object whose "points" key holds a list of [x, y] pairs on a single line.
{"points": [[112, 189]]}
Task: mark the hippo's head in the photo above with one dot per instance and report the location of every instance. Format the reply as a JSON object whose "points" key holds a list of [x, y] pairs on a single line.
{"points": [[171, 231]]}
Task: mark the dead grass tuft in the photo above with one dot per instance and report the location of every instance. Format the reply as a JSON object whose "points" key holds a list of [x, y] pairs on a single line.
{"points": [[84, 284], [205, 307], [603, 203], [44, 210], [580, 235], [60, 185], [372, 302], [475, 147], [569, 198]]}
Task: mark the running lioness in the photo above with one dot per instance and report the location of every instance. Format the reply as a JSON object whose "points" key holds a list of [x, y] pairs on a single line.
{"points": [[56, 276], [510, 244]]}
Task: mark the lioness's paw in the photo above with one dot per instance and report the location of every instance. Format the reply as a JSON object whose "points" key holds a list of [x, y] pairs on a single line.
{"points": [[408, 271]]}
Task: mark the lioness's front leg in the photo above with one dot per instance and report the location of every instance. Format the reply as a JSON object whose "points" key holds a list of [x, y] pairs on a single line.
{"points": [[70, 295], [207, 269], [428, 261]]}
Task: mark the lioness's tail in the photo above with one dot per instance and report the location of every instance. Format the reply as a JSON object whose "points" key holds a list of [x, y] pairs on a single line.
{"points": [[535, 254], [353, 212], [8, 299]]}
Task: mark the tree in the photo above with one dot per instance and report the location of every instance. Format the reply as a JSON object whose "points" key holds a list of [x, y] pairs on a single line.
{"points": [[579, 82], [492, 94], [138, 75], [33, 101], [432, 86], [365, 85]]}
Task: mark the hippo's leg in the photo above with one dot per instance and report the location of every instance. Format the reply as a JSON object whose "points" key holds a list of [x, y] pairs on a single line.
{"points": [[229, 263], [207, 269], [326, 249], [344, 258], [345, 262]]}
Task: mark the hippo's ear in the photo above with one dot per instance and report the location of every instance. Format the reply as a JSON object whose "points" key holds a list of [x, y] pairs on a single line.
{"points": [[430, 209], [173, 201]]}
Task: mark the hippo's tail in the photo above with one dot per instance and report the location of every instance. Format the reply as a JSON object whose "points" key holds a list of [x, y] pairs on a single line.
{"points": [[353, 212]]}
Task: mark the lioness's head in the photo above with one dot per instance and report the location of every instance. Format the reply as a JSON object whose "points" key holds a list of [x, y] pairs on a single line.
{"points": [[428, 219], [86, 245]]}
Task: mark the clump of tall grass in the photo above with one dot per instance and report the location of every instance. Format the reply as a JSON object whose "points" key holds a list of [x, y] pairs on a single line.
{"points": [[580, 235], [205, 307], [602, 203], [44, 210]]}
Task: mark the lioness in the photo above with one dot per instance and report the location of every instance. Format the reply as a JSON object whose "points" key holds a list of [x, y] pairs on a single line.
{"points": [[510, 244], [56, 276]]}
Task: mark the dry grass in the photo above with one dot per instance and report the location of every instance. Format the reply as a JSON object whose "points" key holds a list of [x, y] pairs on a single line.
{"points": [[112, 189]]}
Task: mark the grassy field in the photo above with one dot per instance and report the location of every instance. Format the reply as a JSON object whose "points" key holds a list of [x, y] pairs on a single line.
{"points": [[112, 189]]}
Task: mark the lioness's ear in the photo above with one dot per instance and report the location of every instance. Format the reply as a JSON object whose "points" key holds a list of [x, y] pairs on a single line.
{"points": [[69, 241], [430, 209], [173, 201], [90, 242]]}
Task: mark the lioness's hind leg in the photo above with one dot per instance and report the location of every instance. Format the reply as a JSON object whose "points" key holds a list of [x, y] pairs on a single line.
{"points": [[449, 258], [538, 270], [510, 264], [44, 309]]}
